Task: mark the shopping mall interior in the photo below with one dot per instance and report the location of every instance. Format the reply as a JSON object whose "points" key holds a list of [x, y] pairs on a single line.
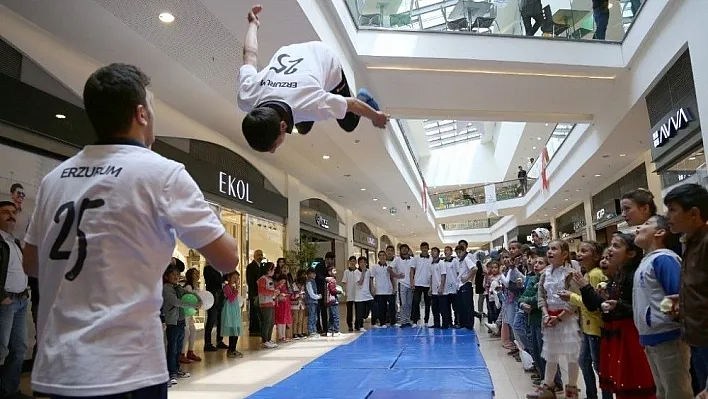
{"points": [[506, 116]]}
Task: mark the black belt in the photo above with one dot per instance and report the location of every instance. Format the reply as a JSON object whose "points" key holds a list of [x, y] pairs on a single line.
{"points": [[16, 295]]}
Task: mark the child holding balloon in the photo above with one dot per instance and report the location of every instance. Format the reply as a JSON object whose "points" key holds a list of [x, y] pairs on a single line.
{"points": [[190, 332], [231, 314], [176, 304]]}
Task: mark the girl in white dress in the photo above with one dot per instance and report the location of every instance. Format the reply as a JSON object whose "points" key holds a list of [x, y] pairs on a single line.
{"points": [[561, 331]]}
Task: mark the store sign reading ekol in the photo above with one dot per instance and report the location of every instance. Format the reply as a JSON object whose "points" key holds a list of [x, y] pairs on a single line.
{"points": [[671, 127], [234, 188]]}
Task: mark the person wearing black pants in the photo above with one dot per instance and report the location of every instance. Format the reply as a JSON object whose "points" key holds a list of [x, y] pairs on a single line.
{"points": [[253, 273], [468, 269], [364, 298], [531, 9], [321, 269], [213, 279], [420, 280]]}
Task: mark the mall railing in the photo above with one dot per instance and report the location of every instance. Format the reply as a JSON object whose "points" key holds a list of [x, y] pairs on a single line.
{"points": [[471, 224], [553, 144], [563, 19], [474, 195]]}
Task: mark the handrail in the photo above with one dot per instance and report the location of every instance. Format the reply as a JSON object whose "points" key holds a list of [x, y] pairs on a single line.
{"points": [[474, 195], [471, 224]]}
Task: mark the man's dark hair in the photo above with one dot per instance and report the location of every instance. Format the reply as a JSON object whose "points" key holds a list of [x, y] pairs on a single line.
{"points": [[435, 249], [459, 248], [462, 242], [364, 258], [404, 246], [7, 203], [671, 240], [381, 252], [642, 197], [329, 255], [390, 247], [14, 187], [424, 244], [688, 196], [111, 95], [352, 258], [261, 128]]}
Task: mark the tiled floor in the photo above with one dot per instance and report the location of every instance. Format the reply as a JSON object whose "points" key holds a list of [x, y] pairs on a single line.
{"points": [[217, 377]]}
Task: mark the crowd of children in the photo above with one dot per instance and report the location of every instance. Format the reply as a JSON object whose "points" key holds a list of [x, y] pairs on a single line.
{"points": [[631, 316]]}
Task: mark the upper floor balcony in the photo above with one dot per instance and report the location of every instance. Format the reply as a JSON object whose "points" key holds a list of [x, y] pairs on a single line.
{"points": [[557, 19]]}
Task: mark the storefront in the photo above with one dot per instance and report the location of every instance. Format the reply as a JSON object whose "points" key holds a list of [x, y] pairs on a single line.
{"points": [[252, 211], [320, 225], [364, 241], [571, 227], [676, 141], [498, 243], [606, 211]]}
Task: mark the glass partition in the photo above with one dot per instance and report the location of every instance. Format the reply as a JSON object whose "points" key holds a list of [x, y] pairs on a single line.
{"points": [[563, 19], [471, 224], [558, 137], [476, 195]]}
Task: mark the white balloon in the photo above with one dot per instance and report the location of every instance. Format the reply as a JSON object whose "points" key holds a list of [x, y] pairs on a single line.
{"points": [[207, 299]]}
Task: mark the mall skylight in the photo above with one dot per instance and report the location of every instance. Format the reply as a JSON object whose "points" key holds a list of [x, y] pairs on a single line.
{"points": [[443, 133]]}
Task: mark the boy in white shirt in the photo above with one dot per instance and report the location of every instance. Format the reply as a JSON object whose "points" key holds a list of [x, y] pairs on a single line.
{"points": [[440, 305], [402, 271], [467, 269], [349, 281], [303, 83], [364, 296], [383, 291], [101, 235], [451, 283], [420, 280]]}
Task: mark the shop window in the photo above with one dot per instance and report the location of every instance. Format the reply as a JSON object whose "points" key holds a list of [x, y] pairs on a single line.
{"points": [[266, 235], [690, 169]]}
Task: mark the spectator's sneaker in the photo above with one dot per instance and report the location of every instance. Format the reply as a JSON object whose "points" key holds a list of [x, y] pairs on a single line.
{"points": [[366, 97], [210, 348], [222, 345], [362, 329], [273, 345], [234, 355], [173, 380], [314, 335], [183, 374], [571, 392], [336, 334]]}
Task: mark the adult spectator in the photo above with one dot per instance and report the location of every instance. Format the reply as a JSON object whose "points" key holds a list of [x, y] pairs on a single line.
{"points": [[523, 182], [253, 273], [214, 280], [601, 14], [531, 9], [13, 306], [321, 270]]}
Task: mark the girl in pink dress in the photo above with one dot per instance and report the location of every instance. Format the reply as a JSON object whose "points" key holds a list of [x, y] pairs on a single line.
{"points": [[283, 314]]}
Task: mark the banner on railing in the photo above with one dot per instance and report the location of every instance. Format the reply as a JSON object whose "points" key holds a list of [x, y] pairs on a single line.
{"points": [[490, 194], [424, 198]]}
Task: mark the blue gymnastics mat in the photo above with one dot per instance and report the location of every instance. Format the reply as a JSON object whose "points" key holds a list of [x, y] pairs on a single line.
{"points": [[392, 363]]}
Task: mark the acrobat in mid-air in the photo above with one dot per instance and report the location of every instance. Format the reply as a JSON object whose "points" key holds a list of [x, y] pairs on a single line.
{"points": [[303, 83]]}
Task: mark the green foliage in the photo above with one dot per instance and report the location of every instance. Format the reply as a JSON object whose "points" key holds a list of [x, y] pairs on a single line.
{"points": [[303, 255]]}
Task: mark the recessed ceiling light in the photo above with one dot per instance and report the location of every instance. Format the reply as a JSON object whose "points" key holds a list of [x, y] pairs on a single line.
{"points": [[598, 175], [376, 199], [546, 124], [534, 148], [623, 155], [566, 199], [325, 156], [545, 215], [538, 138], [383, 207], [362, 189], [60, 116], [691, 158], [166, 17], [577, 189]]}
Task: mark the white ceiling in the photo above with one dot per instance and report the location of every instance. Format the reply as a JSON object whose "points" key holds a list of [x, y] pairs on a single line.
{"points": [[194, 62]]}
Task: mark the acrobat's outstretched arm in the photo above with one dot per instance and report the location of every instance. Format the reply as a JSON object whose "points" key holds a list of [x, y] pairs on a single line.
{"points": [[250, 47]]}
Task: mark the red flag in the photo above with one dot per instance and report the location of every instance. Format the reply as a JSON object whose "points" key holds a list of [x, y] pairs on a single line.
{"points": [[425, 197], [544, 165]]}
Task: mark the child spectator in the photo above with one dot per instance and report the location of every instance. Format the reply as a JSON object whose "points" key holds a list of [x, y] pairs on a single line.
{"points": [[298, 307], [266, 301], [363, 295], [350, 287], [172, 306], [190, 332], [332, 301], [231, 314], [312, 298], [688, 213], [283, 315]]}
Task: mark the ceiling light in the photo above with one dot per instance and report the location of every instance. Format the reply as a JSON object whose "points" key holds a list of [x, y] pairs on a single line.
{"points": [[577, 189], [691, 158], [538, 138], [545, 215], [376, 199], [60, 116], [534, 148], [490, 72], [598, 175], [362, 189], [566, 199], [166, 17], [383, 207], [623, 155], [325, 156]]}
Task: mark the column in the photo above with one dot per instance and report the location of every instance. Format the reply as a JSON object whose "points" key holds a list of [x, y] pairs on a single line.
{"points": [[699, 63], [554, 230], [292, 226], [506, 240], [589, 228], [654, 183], [350, 233]]}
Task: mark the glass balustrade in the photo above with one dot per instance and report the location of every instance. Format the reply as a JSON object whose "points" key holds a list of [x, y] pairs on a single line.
{"points": [[471, 224], [565, 19], [478, 194]]}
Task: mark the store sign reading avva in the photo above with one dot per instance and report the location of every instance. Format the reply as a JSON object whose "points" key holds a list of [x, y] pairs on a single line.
{"points": [[321, 221], [671, 127], [231, 187]]}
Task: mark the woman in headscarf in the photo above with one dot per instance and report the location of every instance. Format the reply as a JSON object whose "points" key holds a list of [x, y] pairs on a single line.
{"points": [[541, 237]]}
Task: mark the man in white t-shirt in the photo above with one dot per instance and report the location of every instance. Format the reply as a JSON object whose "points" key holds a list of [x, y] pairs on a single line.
{"points": [[303, 83], [420, 279], [452, 281], [402, 267], [364, 297], [102, 233], [383, 291], [467, 269], [349, 281]]}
